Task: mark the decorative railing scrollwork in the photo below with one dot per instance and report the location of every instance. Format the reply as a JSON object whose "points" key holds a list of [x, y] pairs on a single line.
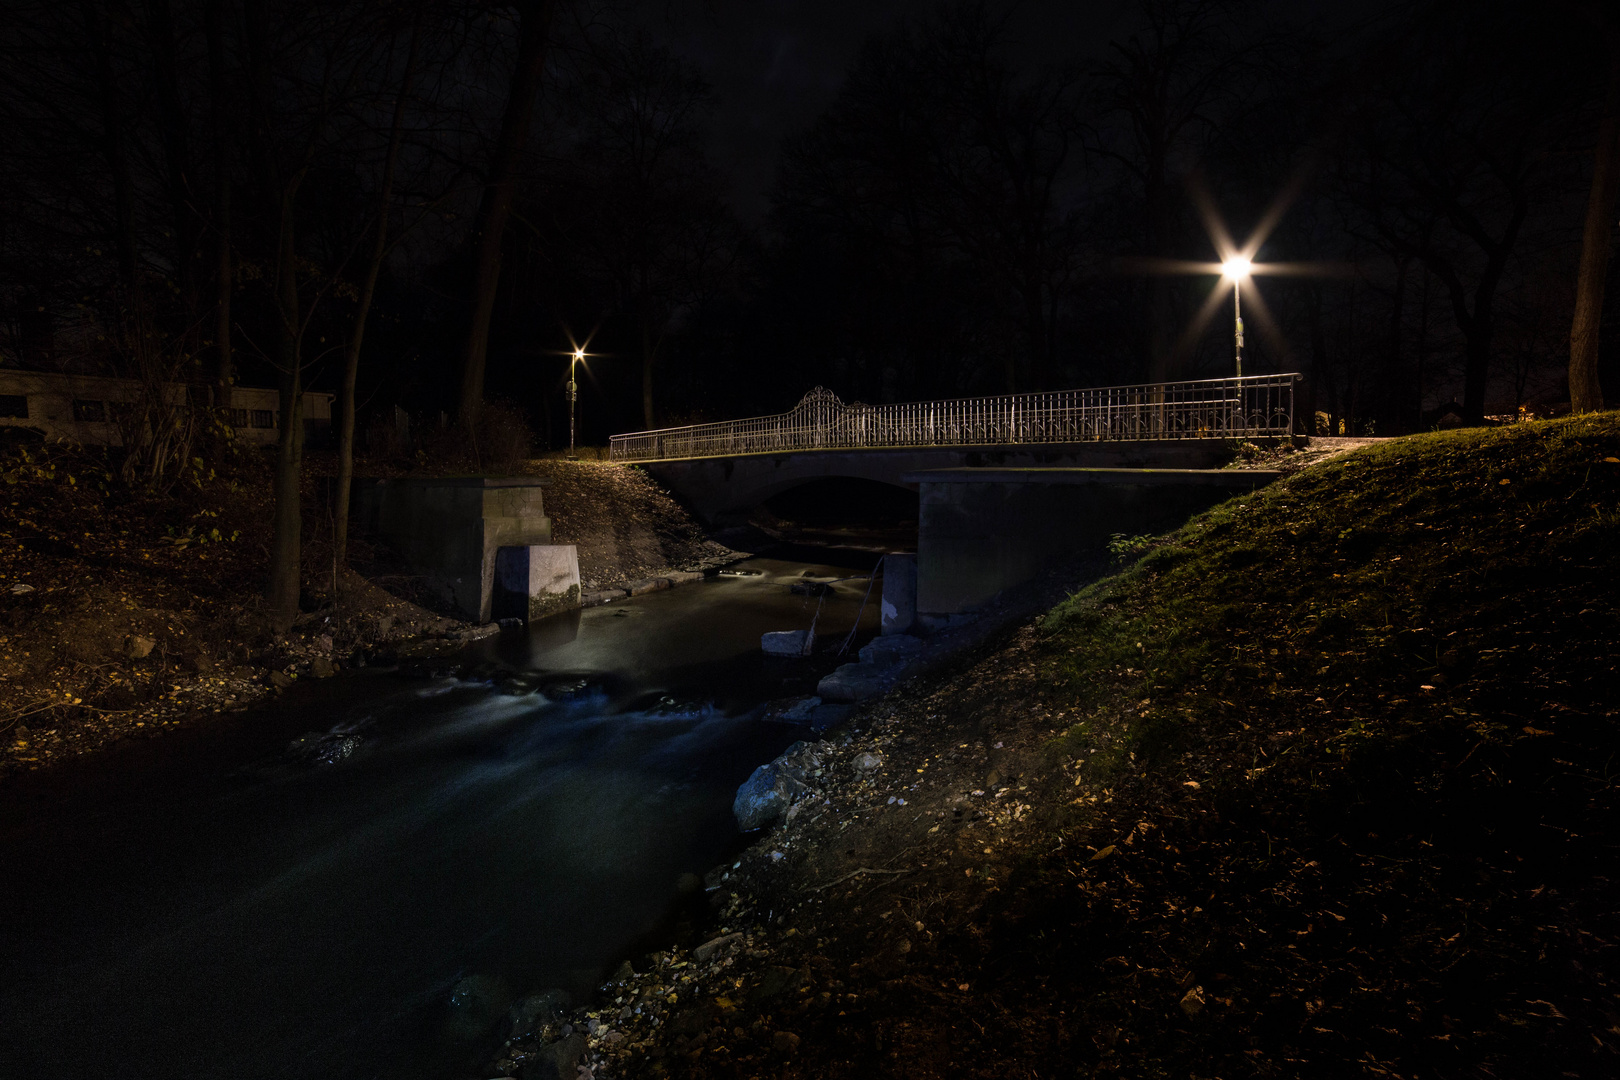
{"points": [[1205, 409]]}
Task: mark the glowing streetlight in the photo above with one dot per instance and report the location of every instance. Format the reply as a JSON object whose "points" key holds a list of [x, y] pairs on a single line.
{"points": [[1236, 269], [573, 396]]}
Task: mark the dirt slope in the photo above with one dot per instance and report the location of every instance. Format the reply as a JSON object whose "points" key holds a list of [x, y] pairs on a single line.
{"points": [[1322, 786], [125, 614]]}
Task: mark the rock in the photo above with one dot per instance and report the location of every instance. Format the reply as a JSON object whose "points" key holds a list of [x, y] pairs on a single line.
{"points": [[706, 952], [810, 588], [137, 647], [992, 778], [534, 1011], [334, 748], [779, 980], [385, 625], [645, 586], [624, 973], [788, 642], [322, 668], [867, 762], [856, 682], [824, 717], [1192, 1003], [509, 626], [891, 650], [280, 680], [474, 633], [597, 597], [684, 577], [476, 1002], [764, 797], [785, 1042], [324, 643], [802, 710], [558, 1060]]}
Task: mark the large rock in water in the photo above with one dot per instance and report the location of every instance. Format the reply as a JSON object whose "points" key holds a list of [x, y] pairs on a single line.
{"points": [[534, 1011], [558, 1060], [788, 642], [765, 796], [476, 1002], [857, 682]]}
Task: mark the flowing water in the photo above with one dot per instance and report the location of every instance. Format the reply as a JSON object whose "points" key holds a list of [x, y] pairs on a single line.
{"points": [[207, 908]]}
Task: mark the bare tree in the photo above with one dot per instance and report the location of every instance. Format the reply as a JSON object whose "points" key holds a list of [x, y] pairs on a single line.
{"points": [[1168, 80], [495, 207], [1585, 391], [944, 157], [219, 127], [634, 204], [368, 288]]}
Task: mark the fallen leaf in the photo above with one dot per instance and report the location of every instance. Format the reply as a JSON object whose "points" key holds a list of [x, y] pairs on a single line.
{"points": [[1103, 854]]}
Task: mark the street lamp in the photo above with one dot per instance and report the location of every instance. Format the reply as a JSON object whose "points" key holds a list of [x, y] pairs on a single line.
{"points": [[573, 396], [1236, 269]]}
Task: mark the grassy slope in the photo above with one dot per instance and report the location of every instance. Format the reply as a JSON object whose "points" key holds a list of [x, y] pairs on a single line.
{"points": [[1392, 679], [1345, 802]]}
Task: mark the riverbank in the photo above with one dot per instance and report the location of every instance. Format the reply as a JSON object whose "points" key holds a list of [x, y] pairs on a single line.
{"points": [[1318, 786], [127, 614]]}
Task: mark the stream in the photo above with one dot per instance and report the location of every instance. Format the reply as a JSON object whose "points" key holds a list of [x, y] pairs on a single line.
{"points": [[204, 906]]}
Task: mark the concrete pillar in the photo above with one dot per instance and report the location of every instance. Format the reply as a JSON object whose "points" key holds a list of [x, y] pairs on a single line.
{"points": [[536, 580], [899, 592]]}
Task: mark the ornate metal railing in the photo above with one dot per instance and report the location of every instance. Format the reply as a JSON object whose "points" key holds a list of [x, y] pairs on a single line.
{"points": [[1208, 409]]}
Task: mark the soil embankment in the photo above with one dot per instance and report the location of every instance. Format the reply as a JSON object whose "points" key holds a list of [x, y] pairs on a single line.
{"points": [[125, 614], [1321, 785]]}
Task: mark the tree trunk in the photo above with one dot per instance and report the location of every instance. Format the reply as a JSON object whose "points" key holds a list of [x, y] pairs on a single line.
{"points": [[177, 159], [117, 162], [496, 205], [286, 546], [1161, 361], [280, 191], [1585, 391], [648, 355], [1477, 356], [1394, 372], [1039, 345], [368, 288], [223, 375]]}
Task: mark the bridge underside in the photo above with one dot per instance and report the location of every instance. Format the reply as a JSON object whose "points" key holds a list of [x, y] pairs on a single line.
{"points": [[722, 489]]}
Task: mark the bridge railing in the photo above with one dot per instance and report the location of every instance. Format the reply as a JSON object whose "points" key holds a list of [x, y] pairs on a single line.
{"points": [[1205, 409]]}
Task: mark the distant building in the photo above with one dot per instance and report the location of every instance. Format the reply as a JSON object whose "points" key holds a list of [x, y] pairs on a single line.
{"points": [[85, 408]]}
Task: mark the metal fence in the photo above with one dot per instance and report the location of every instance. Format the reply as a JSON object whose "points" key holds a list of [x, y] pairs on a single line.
{"points": [[1207, 409]]}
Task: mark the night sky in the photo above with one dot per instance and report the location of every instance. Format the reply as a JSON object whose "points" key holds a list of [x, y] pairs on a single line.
{"points": [[775, 64]]}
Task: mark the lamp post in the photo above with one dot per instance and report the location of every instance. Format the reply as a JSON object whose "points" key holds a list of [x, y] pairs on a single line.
{"points": [[573, 396], [1236, 269]]}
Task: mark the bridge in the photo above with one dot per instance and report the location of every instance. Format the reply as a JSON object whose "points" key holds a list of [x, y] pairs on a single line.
{"points": [[1007, 486], [725, 468]]}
